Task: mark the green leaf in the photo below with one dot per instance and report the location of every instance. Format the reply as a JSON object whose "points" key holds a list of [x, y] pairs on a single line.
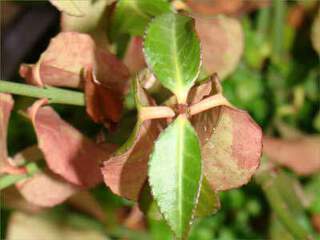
{"points": [[172, 51], [174, 174], [141, 12], [208, 202]]}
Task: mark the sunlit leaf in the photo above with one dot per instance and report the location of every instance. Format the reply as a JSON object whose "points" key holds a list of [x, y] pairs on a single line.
{"points": [[71, 7], [172, 51], [67, 152], [126, 171], [315, 34], [174, 174], [141, 12]]}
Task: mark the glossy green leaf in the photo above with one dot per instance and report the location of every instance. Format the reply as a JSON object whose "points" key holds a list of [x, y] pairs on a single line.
{"points": [[132, 16], [172, 51], [174, 174]]}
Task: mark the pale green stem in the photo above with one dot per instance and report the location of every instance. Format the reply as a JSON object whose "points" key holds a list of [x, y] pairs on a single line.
{"points": [[54, 95]]}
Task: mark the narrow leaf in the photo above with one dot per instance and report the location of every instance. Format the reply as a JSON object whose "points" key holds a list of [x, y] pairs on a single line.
{"points": [[172, 51], [174, 174]]}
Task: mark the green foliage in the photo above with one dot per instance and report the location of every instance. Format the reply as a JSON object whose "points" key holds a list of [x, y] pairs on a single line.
{"points": [[172, 51], [174, 174]]}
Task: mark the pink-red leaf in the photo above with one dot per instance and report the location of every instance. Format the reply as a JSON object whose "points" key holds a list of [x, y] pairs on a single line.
{"points": [[221, 44], [67, 152], [126, 172], [301, 155], [6, 105], [134, 58]]}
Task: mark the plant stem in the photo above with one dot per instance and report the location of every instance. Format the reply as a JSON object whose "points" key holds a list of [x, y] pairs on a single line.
{"points": [[7, 180], [208, 103], [54, 95], [279, 205], [147, 113]]}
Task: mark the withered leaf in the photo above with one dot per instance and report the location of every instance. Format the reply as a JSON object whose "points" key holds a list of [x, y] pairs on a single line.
{"points": [[302, 155], [67, 152], [126, 171]]}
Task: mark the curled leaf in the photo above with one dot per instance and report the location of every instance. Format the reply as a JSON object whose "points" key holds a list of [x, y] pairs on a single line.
{"points": [[126, 171], [301, 155], [62, 62], [221, 44], [6, 105], [67, 152]]}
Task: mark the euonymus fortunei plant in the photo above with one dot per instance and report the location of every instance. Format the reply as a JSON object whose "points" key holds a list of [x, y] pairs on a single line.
{"points": [[183, 150]]}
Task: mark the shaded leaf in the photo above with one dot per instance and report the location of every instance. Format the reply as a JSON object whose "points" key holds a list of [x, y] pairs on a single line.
{"points": [[46, 190], [208, 201], [301, 155], [141, 12], [40, 227], [126, 171], [102, 104], [174, 174], [67, 152], [134, 58], [222, 44], [6, 105], [315, 33], [172, 51]]}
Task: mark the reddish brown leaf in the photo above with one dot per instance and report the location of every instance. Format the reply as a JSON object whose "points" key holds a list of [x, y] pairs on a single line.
{"points": [[222, 44], [134, 58], [67, 152], [234, 7], [126, 172], [61, 64], [6, 105], [231, 142], [300, 155], [41, 227], [102, 104], [316, 222], [46, 190]]}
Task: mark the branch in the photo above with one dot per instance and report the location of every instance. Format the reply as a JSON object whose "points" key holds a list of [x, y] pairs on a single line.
{"points": [[147, 113], [208, 103], [54, 95]]}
